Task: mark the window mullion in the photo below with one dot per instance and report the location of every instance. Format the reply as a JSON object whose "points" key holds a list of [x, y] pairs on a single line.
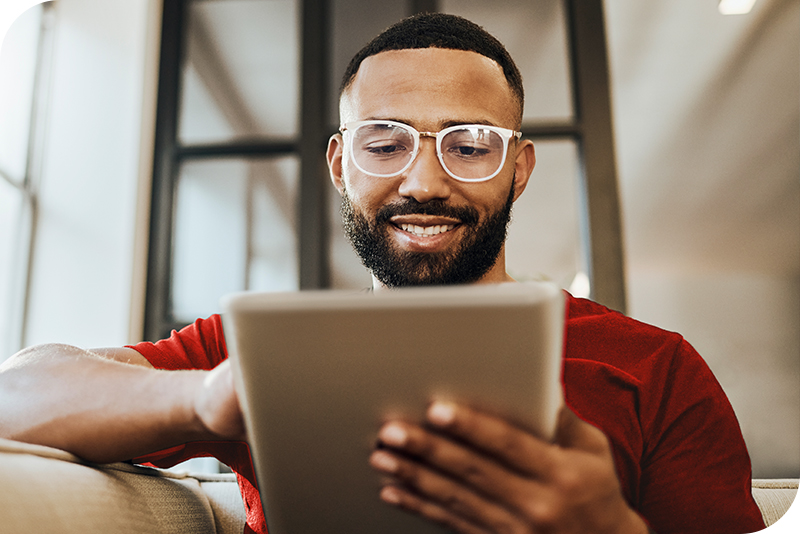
{"points": [[596, 142], [165, 169], [313, 176]]}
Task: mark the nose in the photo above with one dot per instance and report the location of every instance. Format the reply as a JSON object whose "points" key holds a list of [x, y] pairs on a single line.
{"points": [[426, 179]]}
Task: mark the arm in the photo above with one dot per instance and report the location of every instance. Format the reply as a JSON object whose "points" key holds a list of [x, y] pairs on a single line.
{"points": [[110, 404], [476, 474]]}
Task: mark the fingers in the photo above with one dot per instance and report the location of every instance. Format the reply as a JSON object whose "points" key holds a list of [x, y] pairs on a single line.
{"points": [[454, 477], [519, 450], [447, 456], [406, 500], [421, 490], [475, 472]]}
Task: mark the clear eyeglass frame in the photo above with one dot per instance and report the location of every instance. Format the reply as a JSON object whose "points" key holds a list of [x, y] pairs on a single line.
{"points": [[504, 133]]}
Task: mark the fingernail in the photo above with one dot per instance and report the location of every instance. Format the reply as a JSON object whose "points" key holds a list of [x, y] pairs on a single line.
{"points": [[441, 413], [390, 494], [393, 435], [383, 461]]}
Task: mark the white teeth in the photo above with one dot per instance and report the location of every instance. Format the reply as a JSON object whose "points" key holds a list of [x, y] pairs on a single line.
{"points": [[427, 230]]}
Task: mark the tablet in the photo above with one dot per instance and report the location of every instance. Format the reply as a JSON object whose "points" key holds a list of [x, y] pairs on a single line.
{"points": [[318, 372]]}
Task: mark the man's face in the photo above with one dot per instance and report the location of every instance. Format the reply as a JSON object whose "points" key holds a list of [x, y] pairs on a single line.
{"points": [[423, 226]]}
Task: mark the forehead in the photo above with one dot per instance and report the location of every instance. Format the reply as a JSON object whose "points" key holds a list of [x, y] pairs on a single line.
{"points": [[429, 88]]}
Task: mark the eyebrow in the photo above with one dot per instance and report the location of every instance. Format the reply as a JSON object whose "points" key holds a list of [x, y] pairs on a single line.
{"points": [[442, 124], [482, 122]]}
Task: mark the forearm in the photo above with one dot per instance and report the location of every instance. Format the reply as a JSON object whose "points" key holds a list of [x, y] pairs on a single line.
{"points": [[96, 408]]}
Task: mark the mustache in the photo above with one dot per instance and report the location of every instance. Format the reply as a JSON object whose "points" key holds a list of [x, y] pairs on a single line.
{"points": [[409, 206]]}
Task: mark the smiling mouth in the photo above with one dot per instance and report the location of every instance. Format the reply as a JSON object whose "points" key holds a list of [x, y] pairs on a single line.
{"points": [[426, 231]]}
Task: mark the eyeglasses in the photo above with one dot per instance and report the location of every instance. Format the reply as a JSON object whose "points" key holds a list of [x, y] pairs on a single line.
{"points": [[467, 152]]}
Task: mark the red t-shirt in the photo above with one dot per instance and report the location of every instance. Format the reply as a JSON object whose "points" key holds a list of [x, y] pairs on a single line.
{"points": [[679, 452]]}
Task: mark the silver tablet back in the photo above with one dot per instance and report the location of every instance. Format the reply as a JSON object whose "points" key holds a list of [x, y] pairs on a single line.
{"points": [[319, 371]]}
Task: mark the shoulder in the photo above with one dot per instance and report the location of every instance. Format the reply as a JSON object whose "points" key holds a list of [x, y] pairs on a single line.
{"points": [[588, 319], [598, 336], [607, 354]]}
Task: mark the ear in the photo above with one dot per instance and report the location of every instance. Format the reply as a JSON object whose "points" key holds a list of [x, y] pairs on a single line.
{"points": [[523, 166], [334, 156]]}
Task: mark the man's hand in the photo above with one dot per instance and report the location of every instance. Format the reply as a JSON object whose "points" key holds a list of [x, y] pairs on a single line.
{"points": [[475, 473], [217, 405]]}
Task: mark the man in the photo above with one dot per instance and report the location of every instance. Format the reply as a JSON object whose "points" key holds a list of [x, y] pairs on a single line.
{"points": [[428, 163]]}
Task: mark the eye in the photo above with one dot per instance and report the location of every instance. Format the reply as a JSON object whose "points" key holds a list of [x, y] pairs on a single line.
{"points": [[383, 149], [470, 144], [387, 148], [466, 150], [380, 141]]}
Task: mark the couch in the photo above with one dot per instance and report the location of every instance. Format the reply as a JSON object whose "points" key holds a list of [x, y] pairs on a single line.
{"points": [[47, 490]]}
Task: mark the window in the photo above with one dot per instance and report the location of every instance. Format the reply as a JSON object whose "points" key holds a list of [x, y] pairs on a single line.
{"points": [[248, 96], [23, 60]]}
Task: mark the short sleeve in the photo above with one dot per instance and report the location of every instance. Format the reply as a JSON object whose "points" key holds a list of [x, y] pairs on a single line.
{"points": [[201, 345]]}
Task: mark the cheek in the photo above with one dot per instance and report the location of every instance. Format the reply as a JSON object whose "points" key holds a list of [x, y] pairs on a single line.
{"points": [[367, 192], [488, 196]]}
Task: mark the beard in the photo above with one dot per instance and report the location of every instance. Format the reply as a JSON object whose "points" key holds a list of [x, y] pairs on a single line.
{"points": [[466, 263]]}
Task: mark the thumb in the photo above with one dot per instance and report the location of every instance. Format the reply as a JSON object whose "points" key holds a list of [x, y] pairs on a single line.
{"points": [[574, 433]]}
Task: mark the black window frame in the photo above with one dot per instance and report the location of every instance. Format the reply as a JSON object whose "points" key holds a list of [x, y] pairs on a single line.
{"points": [[590, 128]]}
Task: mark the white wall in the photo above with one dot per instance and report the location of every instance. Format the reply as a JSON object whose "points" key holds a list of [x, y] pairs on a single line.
{"points": [[95, 151], [706, 114]]}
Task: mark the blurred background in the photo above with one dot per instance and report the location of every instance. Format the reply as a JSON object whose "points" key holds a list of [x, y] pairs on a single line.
{"points": [[142, 178]]}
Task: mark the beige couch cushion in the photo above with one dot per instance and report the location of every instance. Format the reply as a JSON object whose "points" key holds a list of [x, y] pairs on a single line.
{"points": [[774, 497], [46, 490], [226, 502]]}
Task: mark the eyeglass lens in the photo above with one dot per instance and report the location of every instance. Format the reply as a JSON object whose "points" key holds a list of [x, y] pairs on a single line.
{"points": [[470, 153]]}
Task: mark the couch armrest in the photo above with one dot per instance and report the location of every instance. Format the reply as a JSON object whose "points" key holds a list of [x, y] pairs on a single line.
{"points": [[774, 497], [50, 491]]}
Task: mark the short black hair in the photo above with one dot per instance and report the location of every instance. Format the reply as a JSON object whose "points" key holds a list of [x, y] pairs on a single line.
{"points": [[440, 30]]}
